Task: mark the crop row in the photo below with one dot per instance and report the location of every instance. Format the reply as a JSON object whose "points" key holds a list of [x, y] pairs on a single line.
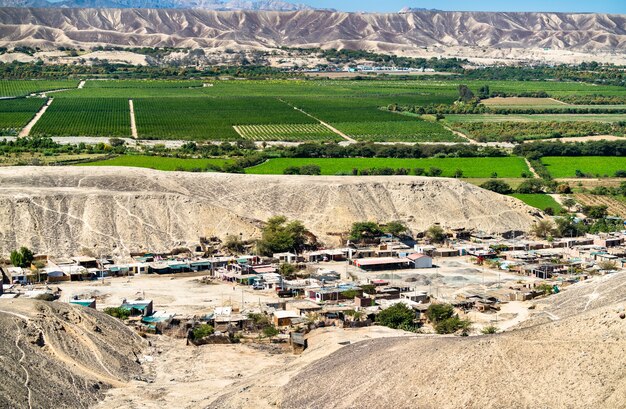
{"points": [[518, 131], [209, 118], [17, 88], [287, 132], [142, 84], [85, 117], [411, 131], [15, 113]]}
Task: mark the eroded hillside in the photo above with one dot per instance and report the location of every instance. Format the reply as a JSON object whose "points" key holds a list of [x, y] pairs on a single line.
{"points": [[59, 210], [310, 28], [58, 355]]}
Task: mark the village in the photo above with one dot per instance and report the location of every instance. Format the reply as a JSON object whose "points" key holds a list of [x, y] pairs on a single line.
{"points": [[487, 282]]}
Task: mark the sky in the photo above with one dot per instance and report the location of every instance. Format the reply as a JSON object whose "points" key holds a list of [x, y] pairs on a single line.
{"points": [[598, 6]]}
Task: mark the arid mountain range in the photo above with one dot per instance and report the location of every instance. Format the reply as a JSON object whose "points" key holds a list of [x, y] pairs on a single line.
{"points": [[273, 5], [397, 33]]}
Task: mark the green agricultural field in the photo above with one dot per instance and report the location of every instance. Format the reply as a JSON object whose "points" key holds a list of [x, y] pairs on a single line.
{"points": [[85, 117], [593, 166], [507, 167], [209, 118], [16, 113], [540, 201], [18, 88], [161, 163], [288, 132], [142, 84], [398, 131], [521, 131]]}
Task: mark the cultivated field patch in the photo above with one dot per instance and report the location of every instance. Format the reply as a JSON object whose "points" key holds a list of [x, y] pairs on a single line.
{"points": [[287, 132], [539, 201], [16, 113], [18, 88], [398, 131], [85, 117], [161, 163], [577, 166], [505, 167]]}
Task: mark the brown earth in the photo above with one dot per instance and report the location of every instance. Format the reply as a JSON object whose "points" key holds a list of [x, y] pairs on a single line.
{"points": [[61, 210], [62, 356]]}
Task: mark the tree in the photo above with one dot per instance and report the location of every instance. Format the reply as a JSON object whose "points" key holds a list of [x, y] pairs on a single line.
{"points": [[596, 212], [531, 186], [465, 94], [396, 316], [497, 186], [458, 173], [118, 312], [22, 257], [310, 170], [361, 231], [439, 312], [234, 244], [396, 228], [286, 269], [279, 236], [483, 92], [569, 202], [434, 171], [543, 229], [202, 331], [436, 234]]}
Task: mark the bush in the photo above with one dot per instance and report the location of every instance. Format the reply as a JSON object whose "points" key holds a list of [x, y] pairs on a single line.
{"points": [[202, 331], [439, 312], [453, 325], [270, 332], [22, 257], [531, 186], [491, 329], [497, 186], [396, 316], [118, 312]]}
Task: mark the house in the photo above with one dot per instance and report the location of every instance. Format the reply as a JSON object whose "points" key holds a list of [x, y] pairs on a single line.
{"points": [[382, 263], [605, 240], [285, 257], [85, 261], [142, 308], [327, 255], [446, 252], [284, 318], [17, 275], [331, 293], [302, 307], [419, 260]]}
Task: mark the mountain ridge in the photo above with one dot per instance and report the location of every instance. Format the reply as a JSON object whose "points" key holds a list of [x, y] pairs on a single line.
{"points": [[55, 27]]}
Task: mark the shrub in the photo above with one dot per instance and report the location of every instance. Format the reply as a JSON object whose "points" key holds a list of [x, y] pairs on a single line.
{"points": [[270, 332], [497, 186], [118, 312], [453, 325], [202, 331], [439, 312], [491, 329], [396, 316]]}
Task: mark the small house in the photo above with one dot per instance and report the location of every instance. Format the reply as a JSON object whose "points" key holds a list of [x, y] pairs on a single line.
{"points": [[284, 318], [419, 260], [142, 308]]}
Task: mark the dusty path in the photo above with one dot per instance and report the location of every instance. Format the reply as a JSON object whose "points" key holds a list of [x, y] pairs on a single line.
{"points": [[330, 127], [26, 130], [558, 102], [133, 124], [462, 135], [81, 84], [532, 170]]}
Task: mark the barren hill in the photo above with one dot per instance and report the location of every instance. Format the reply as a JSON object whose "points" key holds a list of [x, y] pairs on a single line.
{"points": [[308, 28], [58, 355], [59, 210]]}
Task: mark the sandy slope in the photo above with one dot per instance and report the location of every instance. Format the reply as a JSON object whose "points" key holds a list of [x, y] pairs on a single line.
{"points": [[59, 210], [57, 355]]}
